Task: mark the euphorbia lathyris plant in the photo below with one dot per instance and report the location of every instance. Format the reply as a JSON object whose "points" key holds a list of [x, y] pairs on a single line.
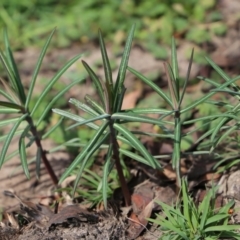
{"points": [[111, 130]]}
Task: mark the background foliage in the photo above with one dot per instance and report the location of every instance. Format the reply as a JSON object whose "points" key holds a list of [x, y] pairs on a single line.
{"points": [[76, 20]]}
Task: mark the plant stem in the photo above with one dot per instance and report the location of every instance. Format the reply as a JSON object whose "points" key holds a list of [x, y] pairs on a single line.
{"points": [[43, 152], [116, 154]]}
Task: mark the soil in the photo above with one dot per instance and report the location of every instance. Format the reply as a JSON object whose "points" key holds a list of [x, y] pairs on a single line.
{"points": [[111, 224]]}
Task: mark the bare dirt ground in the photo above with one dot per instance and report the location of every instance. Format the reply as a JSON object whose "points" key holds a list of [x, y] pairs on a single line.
{"points": [[225, 51]]}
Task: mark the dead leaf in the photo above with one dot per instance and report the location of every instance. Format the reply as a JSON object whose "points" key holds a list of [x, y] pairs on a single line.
{"points": [[139, 202], [72, 212], [139, 223]]}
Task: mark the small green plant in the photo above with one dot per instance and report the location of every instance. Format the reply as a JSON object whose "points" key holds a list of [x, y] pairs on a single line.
{"points": [[109, 112], [17, 101], [188, 221]]}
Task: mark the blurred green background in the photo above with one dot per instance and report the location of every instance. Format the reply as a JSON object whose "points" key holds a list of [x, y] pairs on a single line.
{"points": [[29, 22]]}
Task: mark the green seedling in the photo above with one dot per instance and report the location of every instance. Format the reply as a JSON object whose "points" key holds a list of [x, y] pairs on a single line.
{"points": [[17, 101]]}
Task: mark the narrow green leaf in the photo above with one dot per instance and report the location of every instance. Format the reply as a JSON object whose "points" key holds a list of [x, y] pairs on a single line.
{"points": [[107, 68], [53, 81], [135, 118], [37, 68], [11, 155], [217, 129], [217, 218], [187, 78], [77, 118], [96, 82], [152, 85], [84, 152], [83, 107], [147, 110], [8, 121], [91, 125], [207, 96], [224, 135], [186, 200], [12, 64], [9, 138], [138, 145], [105, 176], [94, 105], [122, 69], [172, 85], [4, 137], [9, 71], [7, 95], [92, 146], [204, 209], [11, 105], [221, 228], [9, 110], [134, 156], [23, 156], [174, 61], [55, 99]]}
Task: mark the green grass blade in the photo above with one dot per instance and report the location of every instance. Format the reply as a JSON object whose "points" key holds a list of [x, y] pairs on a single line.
{"points": [[77, 118], [96, 82], [217, 218], [55, 99], [186, 205], [221, 228], [9, 138], [119, 85], [37, 68], [204, 209], [107, 68], [138, 145], [152, 85], [53, 81], [16, 80], [84, 152]]}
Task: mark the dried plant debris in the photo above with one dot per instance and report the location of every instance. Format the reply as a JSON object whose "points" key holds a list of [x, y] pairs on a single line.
{"points": [[35, 221], [72, 215]]}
